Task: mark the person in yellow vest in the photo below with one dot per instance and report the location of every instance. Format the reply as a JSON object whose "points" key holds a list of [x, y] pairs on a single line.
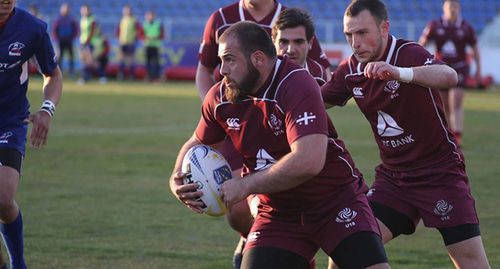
{"points": [[153, 35], [129, 31], [88, 31]]}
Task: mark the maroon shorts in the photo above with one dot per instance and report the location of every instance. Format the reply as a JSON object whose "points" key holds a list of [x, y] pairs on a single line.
{"points": [[304, 234], [439, 195], [232, 156]]}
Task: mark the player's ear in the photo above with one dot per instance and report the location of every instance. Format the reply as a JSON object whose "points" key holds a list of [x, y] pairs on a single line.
{"points": [[257, 58]]}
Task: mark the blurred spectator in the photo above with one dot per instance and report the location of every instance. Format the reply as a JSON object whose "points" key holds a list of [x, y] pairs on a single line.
{"points": [[129, 31], [153, 35], [100, 53], [65, 30], [33, 9], [88, 31]]}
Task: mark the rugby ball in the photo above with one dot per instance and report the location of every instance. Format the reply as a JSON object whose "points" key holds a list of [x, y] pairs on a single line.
{"points": [[209, 169]]}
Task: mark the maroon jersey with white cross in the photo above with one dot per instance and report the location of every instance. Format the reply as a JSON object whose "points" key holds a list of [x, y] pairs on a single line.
{"points": [[451, 40], [224, 17], [407, 120], [262, 127]]}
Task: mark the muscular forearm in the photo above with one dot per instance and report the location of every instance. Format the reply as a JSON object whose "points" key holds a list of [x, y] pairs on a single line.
{"points": [[52, 86], [435, 76], [305, 161]]}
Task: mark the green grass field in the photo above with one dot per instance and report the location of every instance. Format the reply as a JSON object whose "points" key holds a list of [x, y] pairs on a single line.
{"points": [[97, 195]]}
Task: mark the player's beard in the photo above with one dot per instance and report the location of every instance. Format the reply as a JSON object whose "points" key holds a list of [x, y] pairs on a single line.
{"points": [[237, 91]]}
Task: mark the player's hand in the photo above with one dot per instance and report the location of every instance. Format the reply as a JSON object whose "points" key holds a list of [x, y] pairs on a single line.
{"points": [[41, 123], [233, 191], [188, 194], [381, 70]]}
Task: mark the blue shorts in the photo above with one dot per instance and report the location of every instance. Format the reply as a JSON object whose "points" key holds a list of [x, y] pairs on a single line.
{"points": [[14, 137]]}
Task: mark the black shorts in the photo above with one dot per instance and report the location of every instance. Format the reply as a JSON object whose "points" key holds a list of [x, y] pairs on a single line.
{"points": [[11, 158]]}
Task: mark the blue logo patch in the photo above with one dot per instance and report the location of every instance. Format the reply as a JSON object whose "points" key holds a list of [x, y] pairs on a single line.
{"points": [[222, 174]]}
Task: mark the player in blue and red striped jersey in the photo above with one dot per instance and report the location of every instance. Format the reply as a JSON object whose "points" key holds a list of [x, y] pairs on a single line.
{"points": [[22, 36], [422, 176]]}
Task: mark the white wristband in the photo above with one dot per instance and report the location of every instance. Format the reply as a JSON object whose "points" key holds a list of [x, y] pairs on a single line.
{"points": [[49, 107], [405, 74]]}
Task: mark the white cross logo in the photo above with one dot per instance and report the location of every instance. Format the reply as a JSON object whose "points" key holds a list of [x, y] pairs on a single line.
{"points": [[304, 119]]}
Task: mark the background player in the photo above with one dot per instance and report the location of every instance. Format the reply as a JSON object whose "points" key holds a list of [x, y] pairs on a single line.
{"points": [[21, 36], [451, 35], [293, 35], [311, 195], [263, 12], [395, 84]]}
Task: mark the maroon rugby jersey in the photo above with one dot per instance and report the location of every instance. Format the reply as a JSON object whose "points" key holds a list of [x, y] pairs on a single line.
{"points": [[407, 120], [451, 40], [316, 70], [224, 17], [262, 127]]}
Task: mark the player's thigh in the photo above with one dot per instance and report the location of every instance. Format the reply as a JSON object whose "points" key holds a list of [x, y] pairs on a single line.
{"points": [[468, 253], [10, 167], [273, 258], [360, 250]]}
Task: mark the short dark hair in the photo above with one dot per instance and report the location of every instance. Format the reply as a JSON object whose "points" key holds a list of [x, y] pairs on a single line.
{"points": [[251, 38], [376, 8], [294, 17]]}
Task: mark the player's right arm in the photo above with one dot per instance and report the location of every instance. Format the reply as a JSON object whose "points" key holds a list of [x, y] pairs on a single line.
{"points": [[335, 92], [204, 79], [207, 57], [426, 35], [186, 193], [207, 132]]}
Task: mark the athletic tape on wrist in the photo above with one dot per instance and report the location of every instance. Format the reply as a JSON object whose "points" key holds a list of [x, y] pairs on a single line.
{"points": [[49, 107], [405, 74]]}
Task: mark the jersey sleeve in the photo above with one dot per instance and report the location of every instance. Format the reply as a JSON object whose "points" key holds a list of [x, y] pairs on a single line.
{"points": [[209, 131], [317, 54], [301, 102], [209, 47], [335, 91], [44, 53], [416, 55]]}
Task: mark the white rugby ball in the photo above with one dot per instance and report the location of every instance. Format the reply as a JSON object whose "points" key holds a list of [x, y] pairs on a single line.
{"points": [[209, 169]]}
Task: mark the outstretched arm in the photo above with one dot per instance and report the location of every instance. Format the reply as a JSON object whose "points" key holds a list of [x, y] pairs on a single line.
{"points": [[432, 76]]}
